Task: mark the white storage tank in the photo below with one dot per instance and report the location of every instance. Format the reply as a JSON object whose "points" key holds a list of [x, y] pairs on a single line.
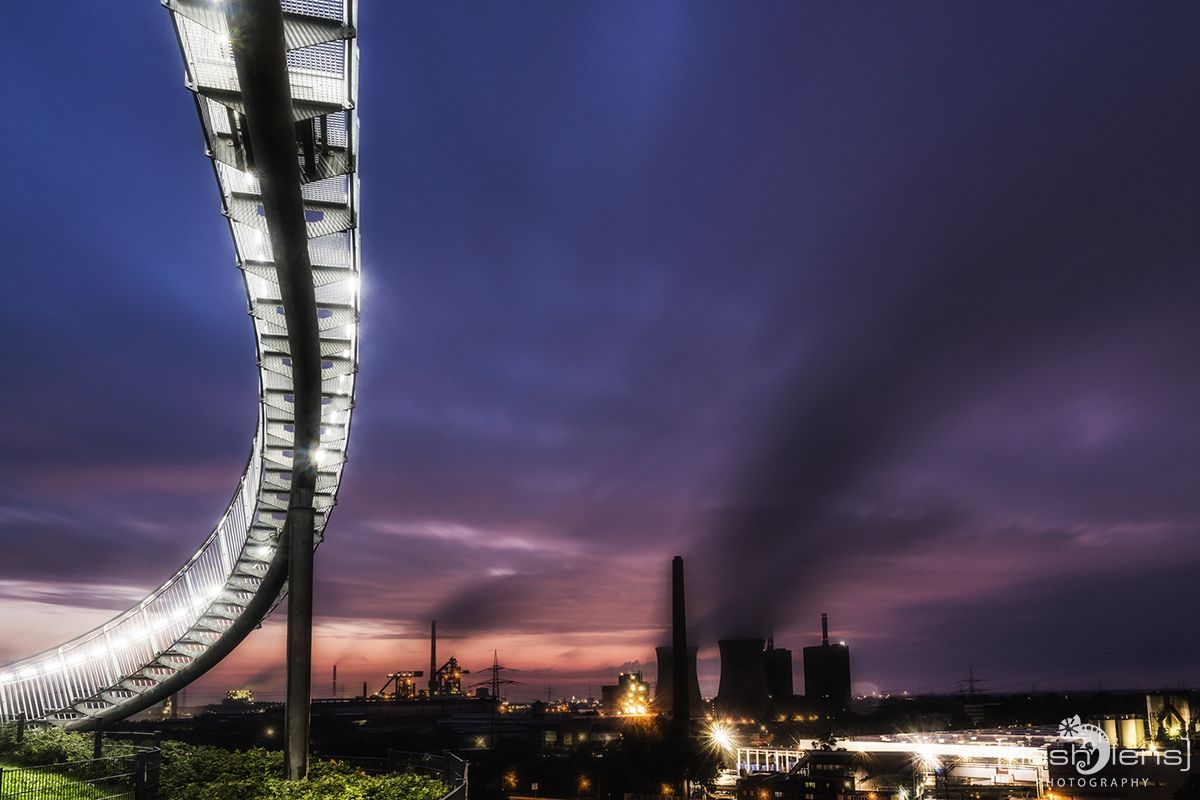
{"points": [[1132, 735]]}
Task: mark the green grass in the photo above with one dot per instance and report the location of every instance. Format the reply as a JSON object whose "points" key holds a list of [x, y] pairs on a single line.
{"points": [[23, 783]]}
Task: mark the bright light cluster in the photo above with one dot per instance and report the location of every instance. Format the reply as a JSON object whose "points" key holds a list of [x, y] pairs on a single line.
{"points": [[721, 736], [635, 702]]}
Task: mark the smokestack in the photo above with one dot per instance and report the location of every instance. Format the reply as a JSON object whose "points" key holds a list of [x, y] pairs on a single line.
{"points": [[680, 711], [433, 658], [334, 680], [824, 628], [664, 690]]}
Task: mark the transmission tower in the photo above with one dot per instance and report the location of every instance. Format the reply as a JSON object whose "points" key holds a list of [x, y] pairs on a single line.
{"points": [[970, 684], [494, 682]]}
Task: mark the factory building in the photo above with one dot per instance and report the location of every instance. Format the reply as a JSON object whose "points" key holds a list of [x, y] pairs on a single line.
{"points": [[1169, 716], [827, 674], [817, 775], [777, 662], [630, 697], [447, 680]]}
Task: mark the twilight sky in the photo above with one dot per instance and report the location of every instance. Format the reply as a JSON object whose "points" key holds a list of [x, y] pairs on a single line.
{"points": [[887, 311]]}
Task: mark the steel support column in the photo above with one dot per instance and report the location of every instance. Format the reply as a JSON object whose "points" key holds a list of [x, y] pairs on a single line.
{"points": [[260, 53]]}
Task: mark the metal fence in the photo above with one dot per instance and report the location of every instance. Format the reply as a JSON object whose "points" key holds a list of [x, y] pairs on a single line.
{"points": [[128, 771], [446, 767], [127, 777], [455, 772]]}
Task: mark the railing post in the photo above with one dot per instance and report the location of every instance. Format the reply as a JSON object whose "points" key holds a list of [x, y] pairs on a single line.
{"points": [[154, 768], [97, 743], [139, 777], [1, 781]]}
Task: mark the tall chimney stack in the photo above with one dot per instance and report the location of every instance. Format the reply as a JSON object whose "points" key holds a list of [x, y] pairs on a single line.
{"points": [[433, 659], [824, 628], [680, 712], [334, 680]]}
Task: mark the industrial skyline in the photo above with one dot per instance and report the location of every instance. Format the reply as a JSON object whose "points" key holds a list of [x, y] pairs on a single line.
{"points": [[627, 262]]}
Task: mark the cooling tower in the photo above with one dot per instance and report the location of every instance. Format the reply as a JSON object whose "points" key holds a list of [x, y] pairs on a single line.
{"points": [[663, 699], [743, 690]]}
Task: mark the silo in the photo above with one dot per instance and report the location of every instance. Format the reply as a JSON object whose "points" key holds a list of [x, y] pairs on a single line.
{"points": [[1132, 735], [1109, 724]]}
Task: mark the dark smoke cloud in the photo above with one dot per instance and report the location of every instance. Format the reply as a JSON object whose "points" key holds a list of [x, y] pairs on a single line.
{"points": [[1018, 272]]}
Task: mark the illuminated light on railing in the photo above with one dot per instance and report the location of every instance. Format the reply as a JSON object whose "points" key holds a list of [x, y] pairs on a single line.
{"points": [[6, 678], [27, 673]]}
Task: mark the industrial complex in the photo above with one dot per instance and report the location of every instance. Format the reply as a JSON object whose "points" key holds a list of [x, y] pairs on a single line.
{"points": [[762, 738]]}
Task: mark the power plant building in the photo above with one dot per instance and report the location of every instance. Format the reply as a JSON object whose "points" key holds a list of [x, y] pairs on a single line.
{"points": [[777, 661], [827, 674]]}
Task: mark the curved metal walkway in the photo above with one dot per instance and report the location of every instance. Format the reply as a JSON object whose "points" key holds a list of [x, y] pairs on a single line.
{"points": [[298, 303]]}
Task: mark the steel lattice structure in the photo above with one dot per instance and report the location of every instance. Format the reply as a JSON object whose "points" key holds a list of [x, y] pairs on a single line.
{"points": [[239, 573]]}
